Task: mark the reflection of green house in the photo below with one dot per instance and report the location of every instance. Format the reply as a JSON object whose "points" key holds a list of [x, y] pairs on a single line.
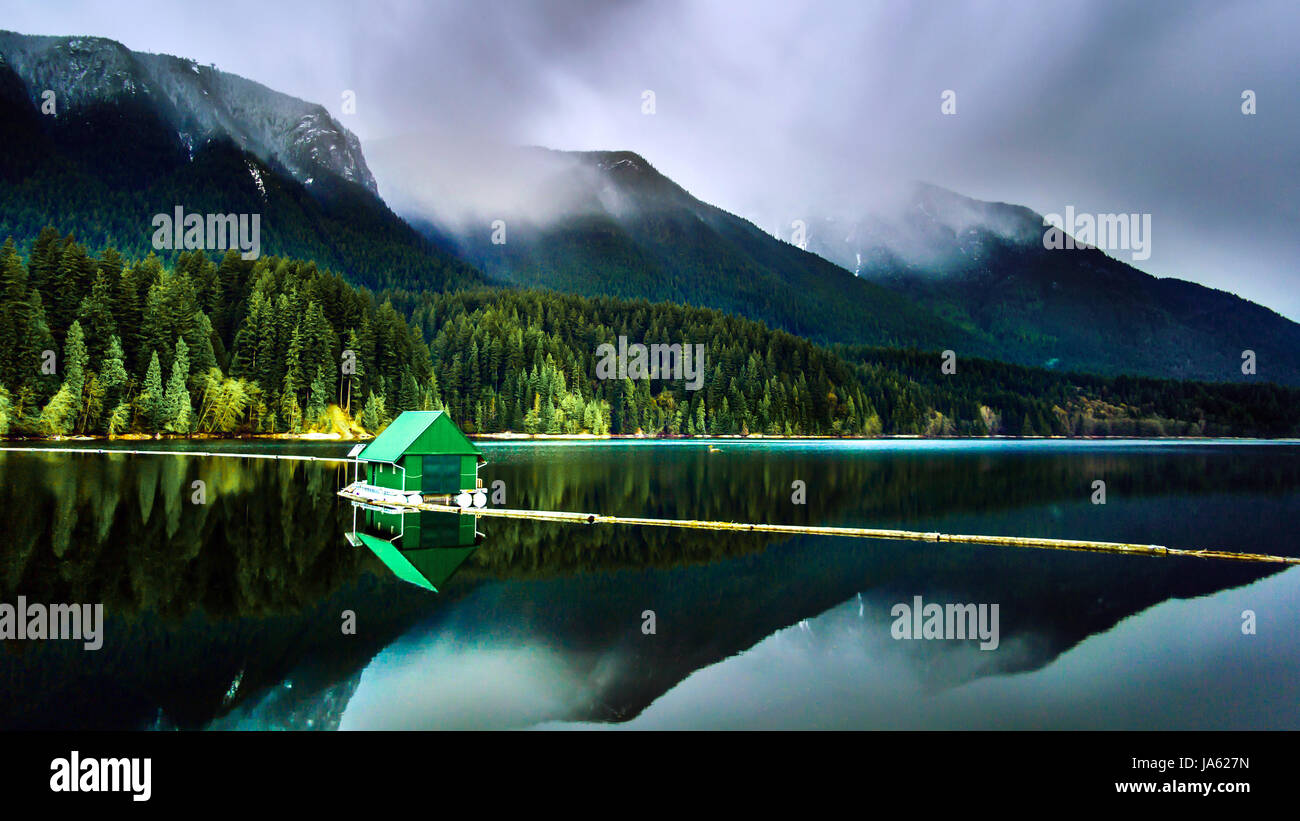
{"points": [[422, 452], [411, 531], [428, 550]]}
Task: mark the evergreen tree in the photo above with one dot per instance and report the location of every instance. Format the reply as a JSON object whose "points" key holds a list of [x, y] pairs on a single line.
{"points": [[96, 316], [316, 416], [373, 417], [59, 414], [18, 357], [151, 403], [76, 362], [6, 411], [177, 411]]}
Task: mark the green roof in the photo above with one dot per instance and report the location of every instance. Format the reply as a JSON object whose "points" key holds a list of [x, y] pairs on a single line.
{"points": [[419, 432]]}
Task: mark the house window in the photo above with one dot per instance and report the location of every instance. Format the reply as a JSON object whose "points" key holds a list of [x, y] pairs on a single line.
{"points": [[441, 474]]}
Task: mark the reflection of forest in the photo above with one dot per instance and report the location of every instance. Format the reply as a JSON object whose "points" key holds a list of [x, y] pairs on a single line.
{"points": [[908, 490], [247, 585], [126, 531], [251, 584]]}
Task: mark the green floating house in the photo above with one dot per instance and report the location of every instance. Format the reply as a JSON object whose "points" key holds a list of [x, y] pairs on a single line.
{"points": [[421, 452]]}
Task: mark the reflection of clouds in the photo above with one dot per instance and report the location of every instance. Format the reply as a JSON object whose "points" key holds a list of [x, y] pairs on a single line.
{"points": [[859, 630], [445, 687], [1182, 664], [824, 672], [450, 677]]}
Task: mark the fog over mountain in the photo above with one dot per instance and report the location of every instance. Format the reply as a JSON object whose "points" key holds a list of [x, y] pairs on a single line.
{"points": [[920, 228], [611, 223], [772, 107], [461, 186], [465, 184]]}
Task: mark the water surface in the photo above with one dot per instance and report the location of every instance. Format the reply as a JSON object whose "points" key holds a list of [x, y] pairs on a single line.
{"points": [[228, 613]]}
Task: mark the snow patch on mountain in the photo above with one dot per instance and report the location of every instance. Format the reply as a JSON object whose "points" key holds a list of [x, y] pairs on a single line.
{"points": [[257, 178]]}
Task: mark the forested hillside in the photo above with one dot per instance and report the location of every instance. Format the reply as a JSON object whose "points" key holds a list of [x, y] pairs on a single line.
{"points": [[501, 356], [985, 396], [526, 361], [608, 224], [101, 344], [935, 269]]}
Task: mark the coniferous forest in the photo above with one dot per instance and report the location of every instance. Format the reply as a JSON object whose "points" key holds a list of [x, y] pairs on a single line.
{"points": [[104, 345]]}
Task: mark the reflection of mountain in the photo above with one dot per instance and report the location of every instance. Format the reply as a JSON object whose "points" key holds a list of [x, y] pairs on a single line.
{"points": [[251, 586], [1049, 601], [910, 485], [278, 709], [1179, 665]]}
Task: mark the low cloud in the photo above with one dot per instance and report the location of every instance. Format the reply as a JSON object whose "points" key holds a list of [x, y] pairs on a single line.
{"points": [[776, 107]]}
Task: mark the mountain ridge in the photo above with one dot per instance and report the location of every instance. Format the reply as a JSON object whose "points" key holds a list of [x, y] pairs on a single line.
{"points": [[607, 223], [984, 266], [966, 275], [113, 157], [199, 101], [139, 132]]}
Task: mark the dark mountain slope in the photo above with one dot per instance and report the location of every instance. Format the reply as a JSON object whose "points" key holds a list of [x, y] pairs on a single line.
{"points": [[606, 223], [111, 158], [983, 265]]}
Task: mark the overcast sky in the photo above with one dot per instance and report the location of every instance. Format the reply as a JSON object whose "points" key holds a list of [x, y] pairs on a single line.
{"points": [[768, 108]]}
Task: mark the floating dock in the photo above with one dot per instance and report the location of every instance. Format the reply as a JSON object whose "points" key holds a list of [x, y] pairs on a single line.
{"points": [[360, 495], [277, 457]]}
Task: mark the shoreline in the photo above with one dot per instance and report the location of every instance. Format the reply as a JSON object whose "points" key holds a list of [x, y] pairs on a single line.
{"points": [[506, 437]]}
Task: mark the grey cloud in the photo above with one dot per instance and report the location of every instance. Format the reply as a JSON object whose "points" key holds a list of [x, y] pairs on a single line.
{"points": [[770, 107]]}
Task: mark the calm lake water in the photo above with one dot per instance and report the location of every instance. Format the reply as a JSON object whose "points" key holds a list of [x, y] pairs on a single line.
{"points": [[231, 613]]}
